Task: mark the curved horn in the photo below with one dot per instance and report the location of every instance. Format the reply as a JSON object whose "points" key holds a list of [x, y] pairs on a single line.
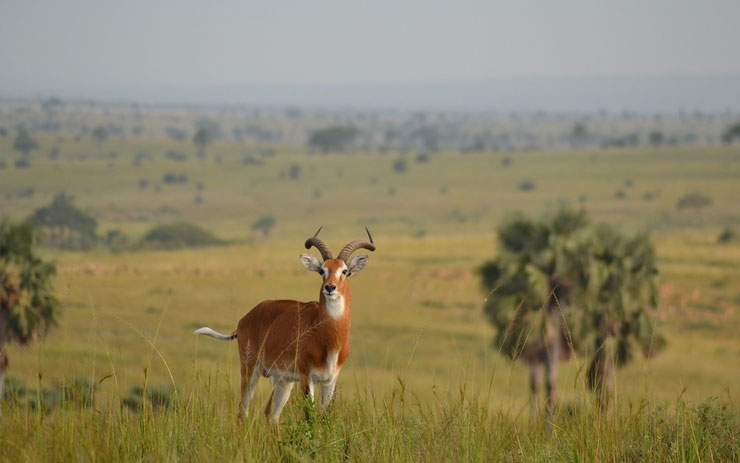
{"points": [[319, 244], [352, 246]]}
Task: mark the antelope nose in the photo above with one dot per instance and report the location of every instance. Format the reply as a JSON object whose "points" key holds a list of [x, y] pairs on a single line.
{"points": [[330, 288]]}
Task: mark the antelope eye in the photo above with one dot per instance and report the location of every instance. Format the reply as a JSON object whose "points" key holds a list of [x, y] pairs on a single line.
{"points": [[345, 272]]}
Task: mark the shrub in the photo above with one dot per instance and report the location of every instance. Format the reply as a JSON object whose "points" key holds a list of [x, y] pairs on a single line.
{"points": [[22, 163], [506, 161], [54, 153], [694, 201], [250, 160], [294, 172], [400, 166], [27, 192], [179, 235], [65, 224], [79, 392], [333, 139], [728, 235], [156, 396], [171, 177], [177, 157], [620, 194], [527, 185], [116, 241], [422, 158], [141, 156]]}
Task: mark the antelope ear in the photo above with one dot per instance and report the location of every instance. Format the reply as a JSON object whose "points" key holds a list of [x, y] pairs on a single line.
{"points": [[357, 263], [311, 263]]}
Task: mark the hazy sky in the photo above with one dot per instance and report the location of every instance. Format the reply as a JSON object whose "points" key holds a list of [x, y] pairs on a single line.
{"points": [[48, 45]]}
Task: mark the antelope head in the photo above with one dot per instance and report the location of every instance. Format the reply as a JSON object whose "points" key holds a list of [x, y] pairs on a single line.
{"points": [[335, 272]]}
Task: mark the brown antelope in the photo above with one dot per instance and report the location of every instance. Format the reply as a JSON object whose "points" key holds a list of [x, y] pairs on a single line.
{"points": [[304, 342]]}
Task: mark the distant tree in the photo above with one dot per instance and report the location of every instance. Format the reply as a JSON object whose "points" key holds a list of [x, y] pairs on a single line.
{"points": [[294, 171], [333, 139], [25, 143], [264, 224], [51, 103], [429, 137], [578, 134], [213, 127], [28, 306], [695, 201], [66, 225], [100, 134], [202, 138], [656, 138], [732, 133]]}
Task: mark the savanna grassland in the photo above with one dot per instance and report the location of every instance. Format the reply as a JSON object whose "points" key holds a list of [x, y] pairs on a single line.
{"points": [[423, 381]]}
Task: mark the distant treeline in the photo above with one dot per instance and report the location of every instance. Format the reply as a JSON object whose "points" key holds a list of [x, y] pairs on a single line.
{"points": [[372, 130]]}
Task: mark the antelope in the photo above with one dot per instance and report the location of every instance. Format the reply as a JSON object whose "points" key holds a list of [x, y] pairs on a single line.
{"points": [[305, 342]]}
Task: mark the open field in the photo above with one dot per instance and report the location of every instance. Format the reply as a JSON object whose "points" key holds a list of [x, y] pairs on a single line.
{"points": [[423, 380]]}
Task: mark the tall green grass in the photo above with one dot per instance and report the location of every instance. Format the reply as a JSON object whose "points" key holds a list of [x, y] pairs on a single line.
{"points": [[364, 425]]}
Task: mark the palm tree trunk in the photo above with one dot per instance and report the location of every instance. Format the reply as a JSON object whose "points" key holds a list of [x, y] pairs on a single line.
{"points": [[551, 375], [534, 379], [599, 372]]}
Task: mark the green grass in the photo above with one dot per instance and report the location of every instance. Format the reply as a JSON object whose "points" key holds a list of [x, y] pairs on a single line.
{"points": [[367, 425], [423, 381]]}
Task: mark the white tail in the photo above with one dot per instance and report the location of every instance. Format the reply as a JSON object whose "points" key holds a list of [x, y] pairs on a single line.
{"points": [[215, 334]]}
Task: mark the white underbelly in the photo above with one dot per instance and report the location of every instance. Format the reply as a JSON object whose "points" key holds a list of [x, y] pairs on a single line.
{"points": [[279, 375], [328, 373]]}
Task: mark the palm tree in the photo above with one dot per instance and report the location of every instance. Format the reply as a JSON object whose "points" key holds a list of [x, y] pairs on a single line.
{"points": [[528, 292], [616, 277], [564, 284], [28, 306]]}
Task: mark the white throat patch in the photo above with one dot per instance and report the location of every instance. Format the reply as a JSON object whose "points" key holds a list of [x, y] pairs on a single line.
{"points": [[335, 306]]}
